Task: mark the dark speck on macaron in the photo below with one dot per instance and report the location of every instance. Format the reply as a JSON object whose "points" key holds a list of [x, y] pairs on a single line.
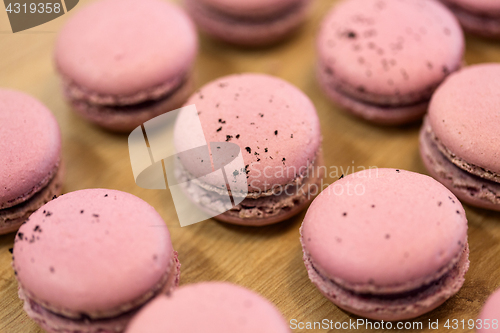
{"points": [[219, 129], [276, 132], [373, 206], [11, 250], [54, 197], [458, 212], [387, 236], [351, 34], [266, 150], [261, 115], [81, 212], [344, 214], [105, 195], [397, 170], [20, 235], [52, 270], [222, 121], [37, 228], [237, 136], [291, 136], [48, 214], [439, 203], [228, 137], [95, 215], [248, 149]]}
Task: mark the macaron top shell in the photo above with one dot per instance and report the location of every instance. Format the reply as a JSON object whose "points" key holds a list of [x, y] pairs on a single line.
{"points": [[465, 116], [30, 146], [210, 307], [384, 230], [274, 123], [390, 47], [92, 251], [122, 47], [249, 8]]}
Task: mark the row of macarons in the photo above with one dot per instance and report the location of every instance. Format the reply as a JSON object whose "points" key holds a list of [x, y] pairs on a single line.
{"points": [[277, 129], [124, 62], [384, 244]]}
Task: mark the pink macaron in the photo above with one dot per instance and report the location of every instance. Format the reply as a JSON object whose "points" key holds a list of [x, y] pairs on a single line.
{"points": [[31, 173], [123, 62], [382, 60], [481, 17], [489, 317], [459, 139], [210, 307], [248, 22], [89, 260], [277, 130], [386, 244]]}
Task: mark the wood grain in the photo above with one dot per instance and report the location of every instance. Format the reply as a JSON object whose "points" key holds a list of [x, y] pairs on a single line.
{"points": [[268, 259]]}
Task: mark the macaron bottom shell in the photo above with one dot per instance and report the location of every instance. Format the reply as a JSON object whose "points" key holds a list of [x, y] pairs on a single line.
{"points": [[247, 31], [393, 307], [257, 211], [478, 24], [253, 212], [11, 218], [124, 118], [378, 114], [55, 323], [469, 188]]}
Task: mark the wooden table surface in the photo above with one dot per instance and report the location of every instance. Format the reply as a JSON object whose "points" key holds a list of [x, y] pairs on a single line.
{"points": [[267, 259]]}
